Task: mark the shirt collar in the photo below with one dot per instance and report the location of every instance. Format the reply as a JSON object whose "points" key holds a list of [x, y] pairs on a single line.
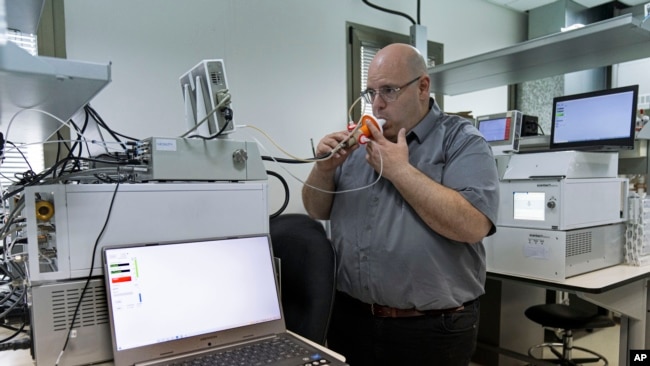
{"points": [[425, 126]]}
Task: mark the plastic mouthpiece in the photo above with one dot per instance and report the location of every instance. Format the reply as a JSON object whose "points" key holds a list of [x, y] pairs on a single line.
{"points": [[364, 130]]}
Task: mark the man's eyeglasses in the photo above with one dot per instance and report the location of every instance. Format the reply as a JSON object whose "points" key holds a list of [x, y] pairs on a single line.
{"points": [[388, 94]]}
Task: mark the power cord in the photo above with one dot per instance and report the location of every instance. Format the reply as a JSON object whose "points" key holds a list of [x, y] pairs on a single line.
{"points": [[325, 156], [23, 343], [286, 193], [92, 264], [299, 160], [224, 100], [228, 114], [393, 11]]}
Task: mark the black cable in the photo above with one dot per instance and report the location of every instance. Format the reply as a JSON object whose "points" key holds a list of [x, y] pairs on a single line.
{"points": [[296, 161], [12, 219], [78, 142], [21, 154], [388, 11], [72, 147], [38, 177], [19, 270], [13, 299], [58, 147], [15, 334], [228, 113], [68, 156], [100, 122], [285, 160], [418, 12], [286, 194], [24, 343], [90, 273], [2, 145]]}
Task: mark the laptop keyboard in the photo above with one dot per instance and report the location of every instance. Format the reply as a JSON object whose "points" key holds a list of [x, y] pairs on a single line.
{"points": [[268, 352]]}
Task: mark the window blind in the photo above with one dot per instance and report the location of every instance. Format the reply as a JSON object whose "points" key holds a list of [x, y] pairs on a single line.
{"points": [[367, 54], [25, 41], [16, 161]]}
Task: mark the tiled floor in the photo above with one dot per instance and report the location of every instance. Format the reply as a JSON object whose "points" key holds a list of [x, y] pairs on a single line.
{"points": [[14, 358], [603, 341]]}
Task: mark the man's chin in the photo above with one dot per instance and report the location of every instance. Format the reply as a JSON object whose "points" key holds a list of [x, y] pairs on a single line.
{"points": [[390, 136], [388, 132]]}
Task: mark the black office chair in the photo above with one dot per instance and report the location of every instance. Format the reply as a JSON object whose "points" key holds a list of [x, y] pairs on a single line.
{"points": [[568, 319], [307, 274]]}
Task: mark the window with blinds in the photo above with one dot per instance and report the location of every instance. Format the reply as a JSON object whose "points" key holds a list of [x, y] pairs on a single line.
{"points": [[15, 163], [22, 158], [363, 44], [25, 41], [367, 54]]}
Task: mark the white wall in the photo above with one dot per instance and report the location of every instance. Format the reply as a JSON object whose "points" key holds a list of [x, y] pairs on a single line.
{"points": [[285, 61], [633, 72]]}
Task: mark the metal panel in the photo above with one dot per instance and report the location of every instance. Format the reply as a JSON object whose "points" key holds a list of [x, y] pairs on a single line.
{"points": [[24, 15], [600, 44], [543, 253], [52, 309], [57, 86], [61, 247]]}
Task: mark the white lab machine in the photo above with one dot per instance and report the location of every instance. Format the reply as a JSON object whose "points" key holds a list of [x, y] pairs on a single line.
{"points": [[555, 254], [502, 131], [562, 190], [178, 189], [183, 159], [64, 221], [561, 213], [205, 87]]}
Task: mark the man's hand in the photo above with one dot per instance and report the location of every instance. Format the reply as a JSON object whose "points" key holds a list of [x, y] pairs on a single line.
{"points": [[318, 202], [385, 156], [327, 144]]}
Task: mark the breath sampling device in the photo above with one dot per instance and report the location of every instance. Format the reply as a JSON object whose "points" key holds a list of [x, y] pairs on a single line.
{"points": [[360, 132]]}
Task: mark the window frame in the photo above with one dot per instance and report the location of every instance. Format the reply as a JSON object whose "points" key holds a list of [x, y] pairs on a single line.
{"points": [[364, 36], [49, 41]]}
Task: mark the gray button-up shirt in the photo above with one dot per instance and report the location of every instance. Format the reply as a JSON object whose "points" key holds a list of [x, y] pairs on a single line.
{"points": [[386, 253]]}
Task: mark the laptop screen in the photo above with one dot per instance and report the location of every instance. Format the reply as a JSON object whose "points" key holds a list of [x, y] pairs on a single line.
{"points": [[167, 292]]}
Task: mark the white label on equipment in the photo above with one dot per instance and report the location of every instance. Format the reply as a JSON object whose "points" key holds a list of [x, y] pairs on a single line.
{"points": [[536, 251], [165, 145]]}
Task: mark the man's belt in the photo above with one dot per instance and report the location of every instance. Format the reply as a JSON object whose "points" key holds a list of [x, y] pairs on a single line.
{"points": [[382, 311]]}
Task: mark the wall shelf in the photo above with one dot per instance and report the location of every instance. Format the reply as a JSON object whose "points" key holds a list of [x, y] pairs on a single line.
{"points": [[620, 39], [24, 15], [58, 86]]}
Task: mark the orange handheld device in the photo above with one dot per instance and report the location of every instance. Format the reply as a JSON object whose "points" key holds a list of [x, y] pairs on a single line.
{"points": [[362, 135]]}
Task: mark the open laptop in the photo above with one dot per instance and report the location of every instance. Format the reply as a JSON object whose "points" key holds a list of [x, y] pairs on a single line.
{"points": [[169, 302]]}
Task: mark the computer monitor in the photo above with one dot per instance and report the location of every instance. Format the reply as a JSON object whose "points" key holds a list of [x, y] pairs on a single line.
{"points": [[501, 130], [595, 121]]}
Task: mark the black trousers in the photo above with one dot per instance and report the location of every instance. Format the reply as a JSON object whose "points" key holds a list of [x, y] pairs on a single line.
{"points": [[445, 340]]}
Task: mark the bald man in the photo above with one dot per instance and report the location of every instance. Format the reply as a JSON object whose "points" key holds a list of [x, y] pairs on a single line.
{"points": [[411, 264]]}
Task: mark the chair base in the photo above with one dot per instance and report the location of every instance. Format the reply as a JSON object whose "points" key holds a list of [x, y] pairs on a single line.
{"points": [[559, 358]]}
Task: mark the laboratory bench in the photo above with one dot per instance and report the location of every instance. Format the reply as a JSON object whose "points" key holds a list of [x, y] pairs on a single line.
{"points": [[505, 334]]}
